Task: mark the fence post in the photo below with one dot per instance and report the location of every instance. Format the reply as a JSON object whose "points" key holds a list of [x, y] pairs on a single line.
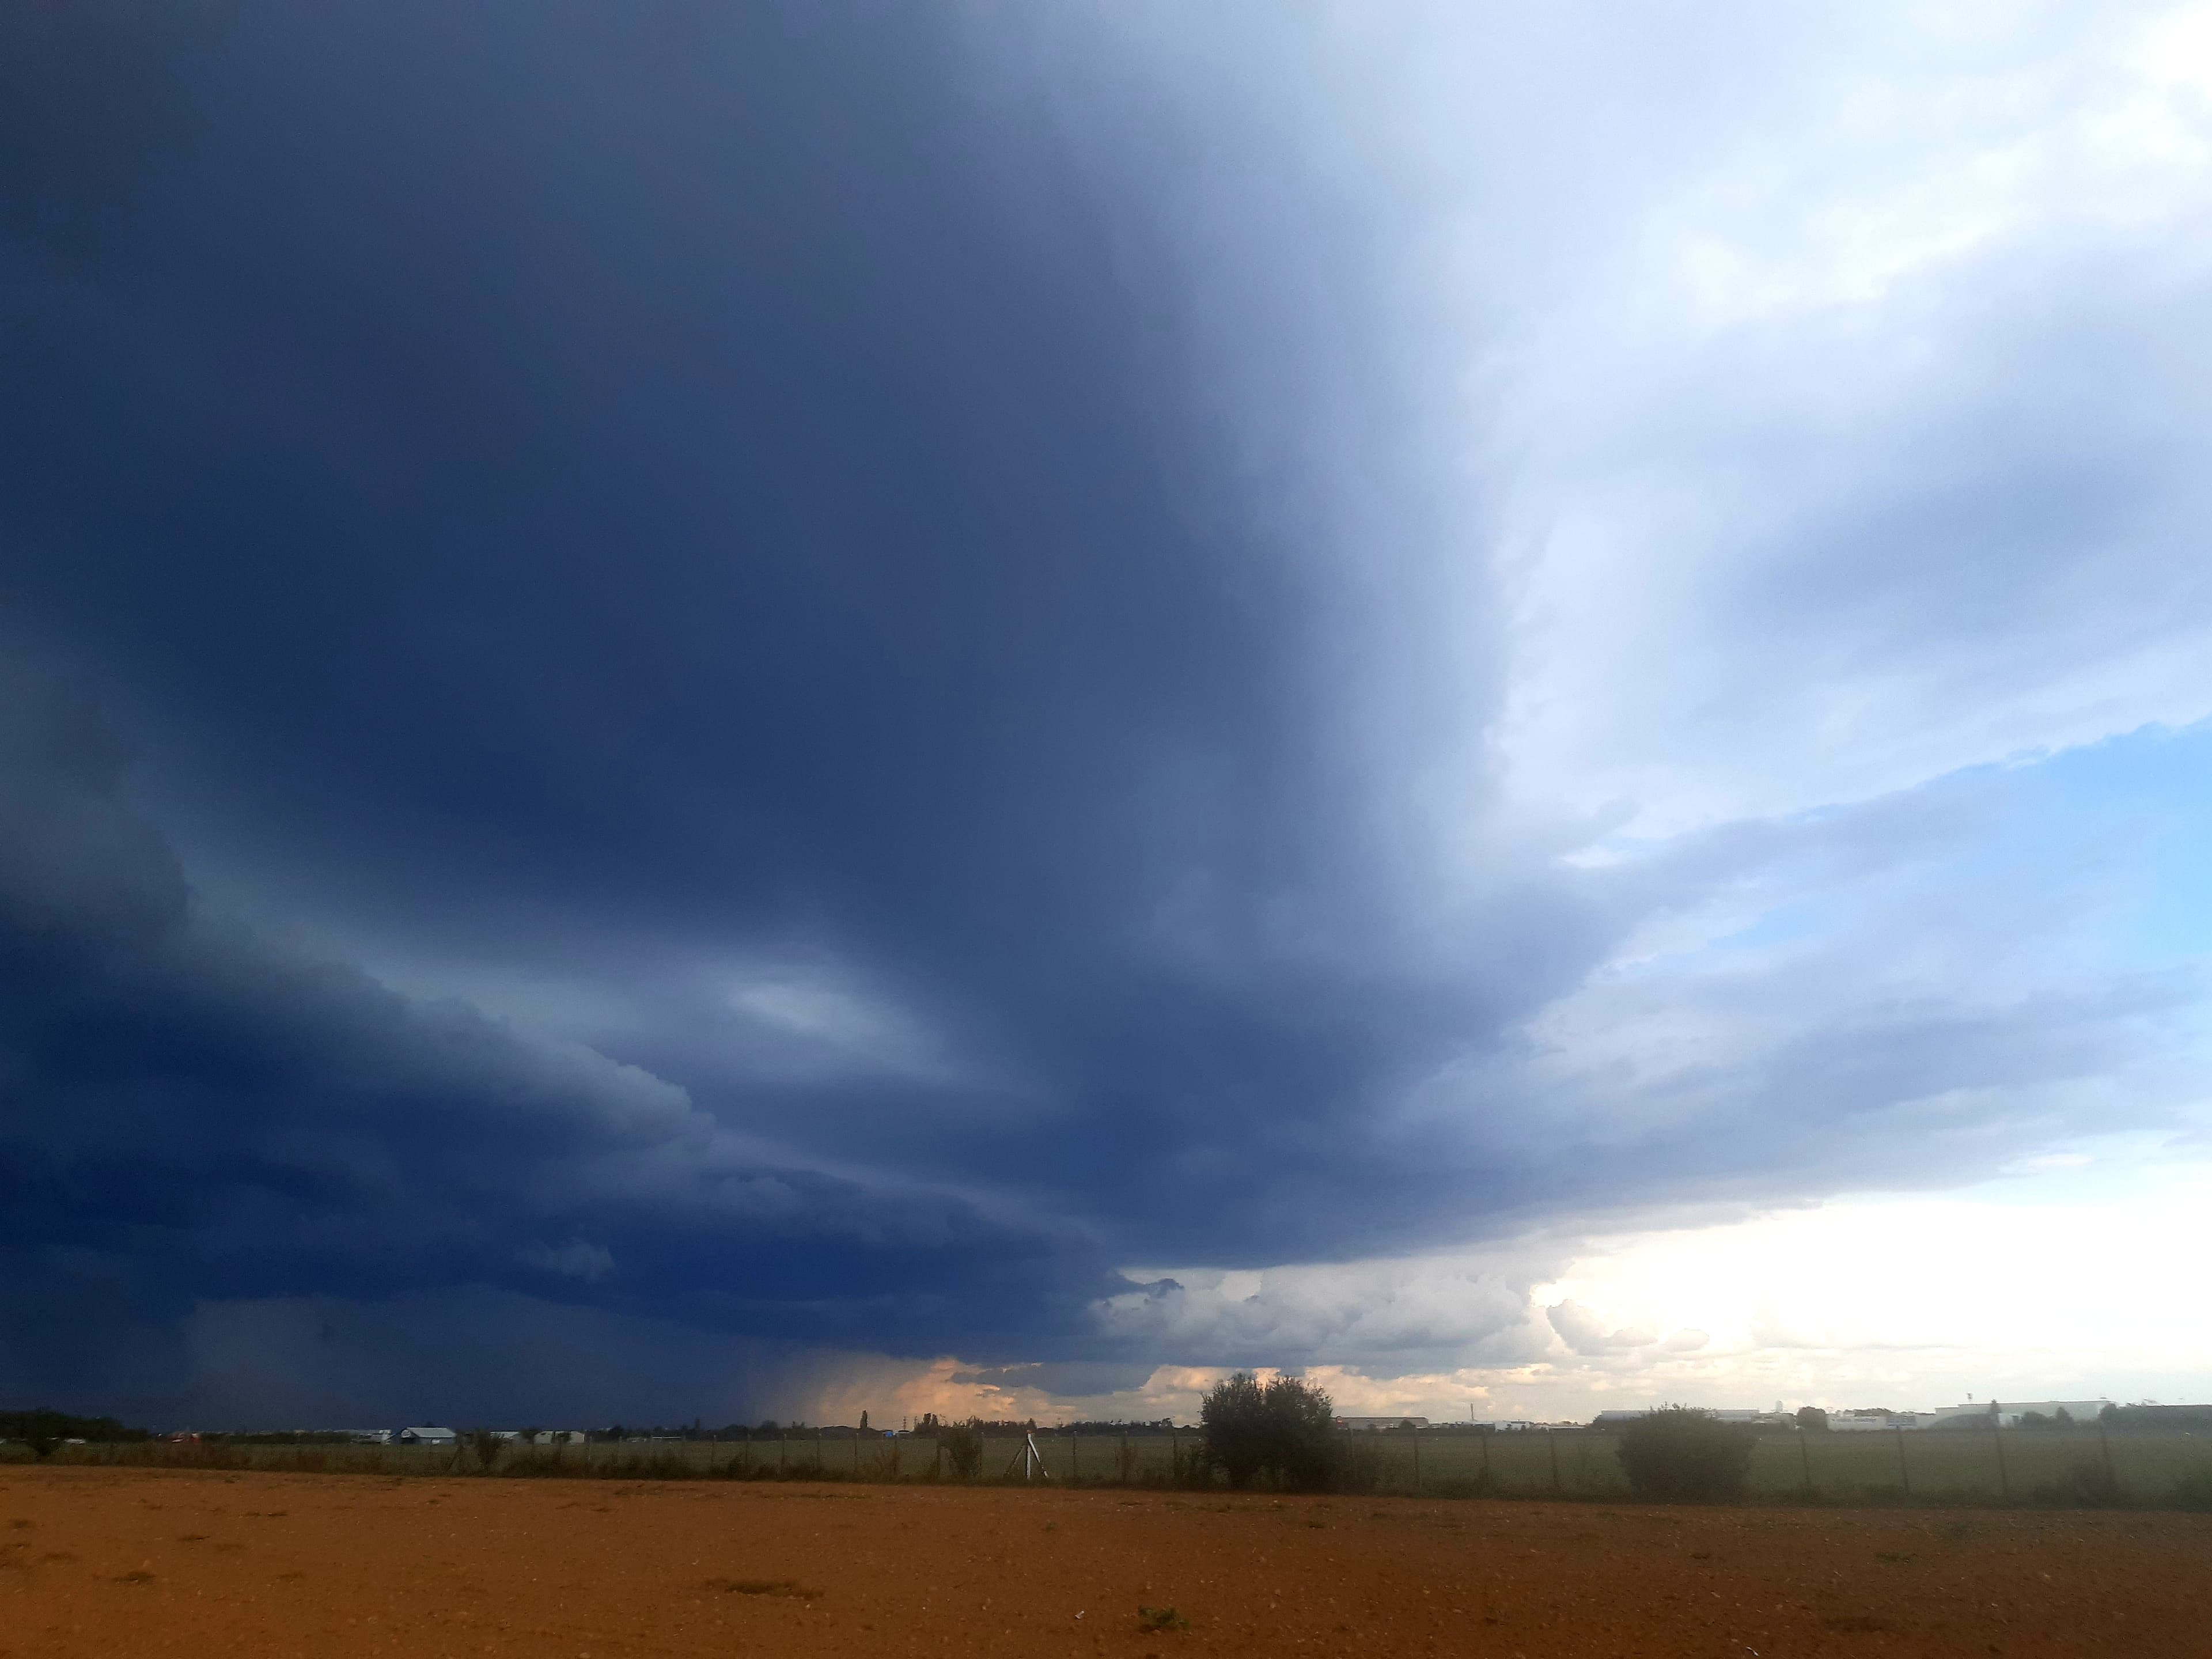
{"points": [[1805, 1457], [1074, 1458], [856, 1453], [782, 1439], [1552, 1439], [817, 1451], [1485, 1462], [1417, 1462], [1997, 1439], [1904, 1475]]}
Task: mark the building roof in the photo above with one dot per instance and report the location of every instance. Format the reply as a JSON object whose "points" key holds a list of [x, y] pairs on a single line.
{"points": [[1398, 1422]]}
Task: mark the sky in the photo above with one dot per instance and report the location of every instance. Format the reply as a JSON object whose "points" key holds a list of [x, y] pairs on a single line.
{"points": [[742, 710]]}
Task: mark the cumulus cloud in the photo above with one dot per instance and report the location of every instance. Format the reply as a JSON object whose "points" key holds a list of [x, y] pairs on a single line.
{"points": [[1384, 1316], [1582, 1330]]}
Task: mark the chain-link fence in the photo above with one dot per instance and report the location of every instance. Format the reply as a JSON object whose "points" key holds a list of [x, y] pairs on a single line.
{"points": [[2074, 1466]]}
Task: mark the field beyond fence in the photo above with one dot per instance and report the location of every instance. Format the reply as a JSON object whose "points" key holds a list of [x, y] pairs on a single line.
{"points": [[2080, 1466]]}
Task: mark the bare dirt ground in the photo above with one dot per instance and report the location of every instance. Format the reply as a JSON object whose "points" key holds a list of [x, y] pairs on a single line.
{"points": [[108, 1563]]}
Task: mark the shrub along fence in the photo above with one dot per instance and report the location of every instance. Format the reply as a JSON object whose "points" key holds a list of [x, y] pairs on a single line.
{"points": [[2074, 1468]]}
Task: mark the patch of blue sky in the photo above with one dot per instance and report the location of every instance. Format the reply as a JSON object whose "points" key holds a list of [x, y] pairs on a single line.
{"points": [[2102, 853], [2158, 782]]}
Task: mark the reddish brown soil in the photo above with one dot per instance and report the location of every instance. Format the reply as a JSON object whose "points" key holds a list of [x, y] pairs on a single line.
{"points": [[114, 1563]]}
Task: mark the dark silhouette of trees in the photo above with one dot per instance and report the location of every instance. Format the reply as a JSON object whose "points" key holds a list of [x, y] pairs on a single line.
{"points": [[963, 1446], [1679, 1453], [42, 1430], [1281, 1429]]}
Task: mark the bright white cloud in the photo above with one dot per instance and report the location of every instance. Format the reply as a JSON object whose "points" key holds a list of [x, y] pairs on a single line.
{"points": [[1863, 454], [2068, 1281]]}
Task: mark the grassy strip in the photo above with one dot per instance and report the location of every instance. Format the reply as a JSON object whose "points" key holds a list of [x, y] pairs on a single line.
{"points": [[2186, 1488]]}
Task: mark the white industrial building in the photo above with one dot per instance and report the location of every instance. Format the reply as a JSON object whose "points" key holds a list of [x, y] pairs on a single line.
{"points": [[1376, 1423], [2007, 1414]]}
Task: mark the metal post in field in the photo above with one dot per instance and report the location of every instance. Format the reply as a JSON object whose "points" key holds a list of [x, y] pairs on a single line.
{"points": [[1552, 1439], [1904, 1475]]}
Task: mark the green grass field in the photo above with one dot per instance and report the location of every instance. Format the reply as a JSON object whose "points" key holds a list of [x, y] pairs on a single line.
{"points": [[2074, 1466], [1831, 1467]]}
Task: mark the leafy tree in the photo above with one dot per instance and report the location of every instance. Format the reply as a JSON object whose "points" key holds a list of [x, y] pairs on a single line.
{"points": [[1234, 1415], [1811, 1417], [487, 1446], [1281, 1429], [962, 1445], [1679, 1453]]}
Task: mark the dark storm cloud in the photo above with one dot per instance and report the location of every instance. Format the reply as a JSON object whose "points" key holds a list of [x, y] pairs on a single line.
{"points": [[93, 98], [727, 480], [754, 715], [195, 1116], [717, 477]]}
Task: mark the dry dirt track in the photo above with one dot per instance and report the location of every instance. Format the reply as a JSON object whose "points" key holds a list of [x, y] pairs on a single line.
{"points": [[124, 1562]]}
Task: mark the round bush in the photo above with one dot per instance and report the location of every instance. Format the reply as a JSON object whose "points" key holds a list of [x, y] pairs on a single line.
{"points": [[1679, 1454], [1281, 1429]]}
